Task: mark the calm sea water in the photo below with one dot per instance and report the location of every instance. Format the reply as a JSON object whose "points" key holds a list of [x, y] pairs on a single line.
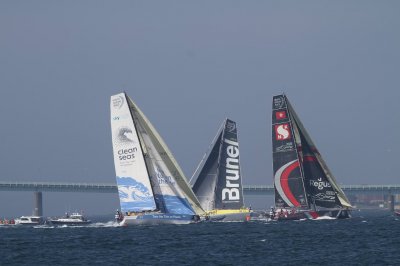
{"points": [[369, 238]]}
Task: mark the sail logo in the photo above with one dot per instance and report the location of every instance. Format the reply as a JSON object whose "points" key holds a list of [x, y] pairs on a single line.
{"points": [[319, 184], [231, 191], [127, 154], [118, 102], [230, 126], [279, 102], [280, 115], [282, 132], [324, 197], [125, 135], [120, 117], [162, 178], [288, 146]]}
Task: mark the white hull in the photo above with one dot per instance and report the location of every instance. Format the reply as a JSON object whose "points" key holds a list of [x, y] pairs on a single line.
{"points": [[155, 219], [29, 220]]}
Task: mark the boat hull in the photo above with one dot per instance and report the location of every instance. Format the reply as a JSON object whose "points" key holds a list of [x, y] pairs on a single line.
{"points": [[338, 214], [313, 215], [155, 219], [54, 222], [229, 217]]}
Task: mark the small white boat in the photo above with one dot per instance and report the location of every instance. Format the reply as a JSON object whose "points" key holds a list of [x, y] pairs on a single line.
{"points": [[29, 220], [73, 219]]}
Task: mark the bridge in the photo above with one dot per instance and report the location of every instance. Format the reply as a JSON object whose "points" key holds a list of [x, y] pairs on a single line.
{"points": [[249, 190]]}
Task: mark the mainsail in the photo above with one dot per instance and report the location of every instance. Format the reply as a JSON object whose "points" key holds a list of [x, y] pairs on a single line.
{"points": [[217, 181], [171, 192], [134, 187], [301, 177]]}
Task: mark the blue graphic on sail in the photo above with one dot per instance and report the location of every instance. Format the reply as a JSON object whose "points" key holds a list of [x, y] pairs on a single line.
{"points": [[134, 196], [175, 204]]}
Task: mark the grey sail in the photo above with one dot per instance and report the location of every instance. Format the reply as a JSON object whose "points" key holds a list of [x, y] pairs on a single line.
{"points": [[205, 177]]}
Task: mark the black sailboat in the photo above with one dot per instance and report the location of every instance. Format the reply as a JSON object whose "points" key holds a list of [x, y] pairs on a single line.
{"points": [[304, 186], [217, 181]]}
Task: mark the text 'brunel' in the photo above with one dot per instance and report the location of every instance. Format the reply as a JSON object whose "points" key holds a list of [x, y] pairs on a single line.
{"points": [[231, 190]]}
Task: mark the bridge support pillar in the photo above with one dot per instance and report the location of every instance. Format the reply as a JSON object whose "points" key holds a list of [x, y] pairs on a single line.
{"points": [[38, 210], [391, 203]]}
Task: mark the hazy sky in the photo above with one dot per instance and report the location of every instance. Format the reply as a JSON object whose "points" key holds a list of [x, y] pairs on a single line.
{"points": [[188, 65]]}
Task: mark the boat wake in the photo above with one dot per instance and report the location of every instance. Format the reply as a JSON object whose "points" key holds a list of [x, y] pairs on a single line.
{"points": [[324, 218], [106, 224], [92, 225]]}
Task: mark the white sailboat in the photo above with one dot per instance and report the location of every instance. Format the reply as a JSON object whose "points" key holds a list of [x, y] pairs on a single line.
{"points": [[152, 187]]}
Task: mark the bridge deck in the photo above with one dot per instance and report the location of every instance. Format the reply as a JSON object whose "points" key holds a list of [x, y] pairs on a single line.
{"points": [[112, 188]]}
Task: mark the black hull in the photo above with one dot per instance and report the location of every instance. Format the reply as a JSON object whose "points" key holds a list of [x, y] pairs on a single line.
{"points": [[291, 217], [313, 215]]}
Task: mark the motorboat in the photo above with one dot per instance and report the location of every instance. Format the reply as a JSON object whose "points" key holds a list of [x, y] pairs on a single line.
{"points": [[29, 220], [70, 219]]}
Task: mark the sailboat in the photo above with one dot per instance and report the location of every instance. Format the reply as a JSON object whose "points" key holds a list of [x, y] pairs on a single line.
{"points": [[217, 181], [304, 185], [152, 187]]}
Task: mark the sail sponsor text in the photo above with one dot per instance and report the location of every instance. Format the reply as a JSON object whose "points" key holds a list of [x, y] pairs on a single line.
{"points": [[231, 191]]}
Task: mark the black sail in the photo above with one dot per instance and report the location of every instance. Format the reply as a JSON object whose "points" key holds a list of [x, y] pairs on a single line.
{"points": [[229, 190], [288, 176], [217, 181]]}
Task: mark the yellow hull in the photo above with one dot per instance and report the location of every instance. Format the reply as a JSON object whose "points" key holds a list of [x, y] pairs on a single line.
{"points": [[233, 215]]}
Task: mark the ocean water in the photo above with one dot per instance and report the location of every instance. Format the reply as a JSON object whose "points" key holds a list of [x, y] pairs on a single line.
{"points": [[369, 238]]}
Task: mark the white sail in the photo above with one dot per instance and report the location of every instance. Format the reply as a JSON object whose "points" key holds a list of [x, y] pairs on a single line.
{"points": [[169, 183], [134, 188]]}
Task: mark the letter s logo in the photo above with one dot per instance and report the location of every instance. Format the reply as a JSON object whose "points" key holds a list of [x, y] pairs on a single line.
{"points": [[282, 132]]}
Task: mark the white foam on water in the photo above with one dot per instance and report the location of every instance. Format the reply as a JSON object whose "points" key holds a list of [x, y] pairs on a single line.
{"points": [[106, 224], [325, 218]]}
